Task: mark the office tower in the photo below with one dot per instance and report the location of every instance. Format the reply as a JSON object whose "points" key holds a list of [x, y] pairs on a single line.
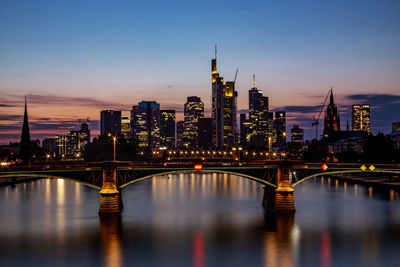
{"points": [[193, 111], [145, 123], [297, 134], [332, 119], [179, 133], [223, 109], [260, 118], [360, 117], [245, 130], [73, 144], [396, 126], [126, 130], [204, 133], [110, 122], [167, 128], [280, 128]]}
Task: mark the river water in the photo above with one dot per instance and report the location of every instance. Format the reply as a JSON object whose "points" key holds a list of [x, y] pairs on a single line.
{"points": [[198, 220]]}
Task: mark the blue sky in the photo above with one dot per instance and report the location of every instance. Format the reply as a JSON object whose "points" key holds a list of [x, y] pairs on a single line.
{"points": [[116, 53]]}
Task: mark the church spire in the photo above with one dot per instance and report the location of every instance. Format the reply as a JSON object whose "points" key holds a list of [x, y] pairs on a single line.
{"points": [[331, 98], [25, 136]]}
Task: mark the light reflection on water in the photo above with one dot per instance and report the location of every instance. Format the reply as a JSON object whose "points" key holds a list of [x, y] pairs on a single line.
{"points": [[198, 220]]}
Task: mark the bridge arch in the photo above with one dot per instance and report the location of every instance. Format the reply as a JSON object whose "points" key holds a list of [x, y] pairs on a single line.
{"points": [[340, 172], [50, 176], [258, 180]]}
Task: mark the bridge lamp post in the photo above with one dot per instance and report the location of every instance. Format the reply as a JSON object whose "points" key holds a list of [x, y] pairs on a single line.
{"points": [[269, 144], [114, 141]]}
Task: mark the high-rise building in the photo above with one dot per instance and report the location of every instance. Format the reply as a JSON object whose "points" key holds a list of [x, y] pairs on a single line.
{"points": [[167, 128], [145, 123], [223, 109], [193, 111], [261, 119], [396, 126], [204, 133], [179, 133], [297, 134], [72, 145], [126, 130], [110, 122], [360, 117], [332, 119], [280, 128]]}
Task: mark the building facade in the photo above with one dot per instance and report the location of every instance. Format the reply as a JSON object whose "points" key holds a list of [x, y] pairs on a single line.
{"points": [[179, 133], [280, 128], [360, 117], [297, 134], [110, 122], [167, 128], [145, 123], [204, 140], [193, 111]]}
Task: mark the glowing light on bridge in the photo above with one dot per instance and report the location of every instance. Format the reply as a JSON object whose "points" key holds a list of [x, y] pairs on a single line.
{"points": [[198, 167], [324, 167]]}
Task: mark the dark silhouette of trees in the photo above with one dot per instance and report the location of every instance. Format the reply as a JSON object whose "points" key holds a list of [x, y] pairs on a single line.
{"points": [[316, 151]]}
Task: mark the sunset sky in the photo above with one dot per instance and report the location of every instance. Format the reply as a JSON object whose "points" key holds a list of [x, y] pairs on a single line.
{"points": [[74, 58]]}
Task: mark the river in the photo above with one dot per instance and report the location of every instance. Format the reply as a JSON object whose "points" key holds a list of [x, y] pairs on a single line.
{"points": [[198, 220]]}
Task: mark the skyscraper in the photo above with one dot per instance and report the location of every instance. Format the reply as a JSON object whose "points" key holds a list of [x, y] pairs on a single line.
{"points": [[167, 128], [204, 140], [332, 119], [259, 116], [110, 122], [223, 109], [126, 130], [297, 134], [193, 111], [360, 117], [280, 128], [145, 121]]}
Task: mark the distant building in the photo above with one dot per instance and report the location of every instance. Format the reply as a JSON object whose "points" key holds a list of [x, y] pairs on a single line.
{"points": [[223, 109], [73, 144], [179, 134], [360, 115], [126, 130], [245, 130], [396, 126], [110, 122], [332, 120], [167, 128], [194, 110], [280, 128], [297, 134], [205, 133], [145, 123]]}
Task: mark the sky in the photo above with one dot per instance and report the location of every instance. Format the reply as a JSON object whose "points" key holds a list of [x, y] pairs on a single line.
{"points": [[73, 59]]}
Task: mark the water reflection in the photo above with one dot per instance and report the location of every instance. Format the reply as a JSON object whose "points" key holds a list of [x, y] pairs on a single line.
{"points": [[110, 236]]}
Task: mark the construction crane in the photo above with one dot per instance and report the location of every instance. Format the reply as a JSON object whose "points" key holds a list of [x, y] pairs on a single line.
{"points": [[234, 81], [316, 120]]}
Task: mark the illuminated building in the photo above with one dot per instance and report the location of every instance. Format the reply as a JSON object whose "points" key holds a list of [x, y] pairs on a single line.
{"points": [[193, 111], [297, 134], [223, 109], [280, 128], [396, 126], [179, 133], [245, 130], [260, 118], [72, 145], [360, 117], [332, 119], [204, 133], [110, 122], [126, 127], [145, 123], [167, 128]]}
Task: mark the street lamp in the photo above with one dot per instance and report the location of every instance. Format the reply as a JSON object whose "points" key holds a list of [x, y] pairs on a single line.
{"points": [[114, 140]]}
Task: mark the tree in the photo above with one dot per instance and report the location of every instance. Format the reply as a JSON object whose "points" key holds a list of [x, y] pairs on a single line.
{"points": [[316, 151]]}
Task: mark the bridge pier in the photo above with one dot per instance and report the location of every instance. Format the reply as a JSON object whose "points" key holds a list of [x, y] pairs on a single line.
{"points": [[110, 197], [280, 199]]}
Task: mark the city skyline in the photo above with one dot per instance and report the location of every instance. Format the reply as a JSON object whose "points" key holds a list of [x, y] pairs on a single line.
{"points": [[354, 49]]}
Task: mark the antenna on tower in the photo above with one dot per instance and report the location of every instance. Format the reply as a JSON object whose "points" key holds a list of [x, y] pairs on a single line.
{"points": [[254, 81], [215, 51]]}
